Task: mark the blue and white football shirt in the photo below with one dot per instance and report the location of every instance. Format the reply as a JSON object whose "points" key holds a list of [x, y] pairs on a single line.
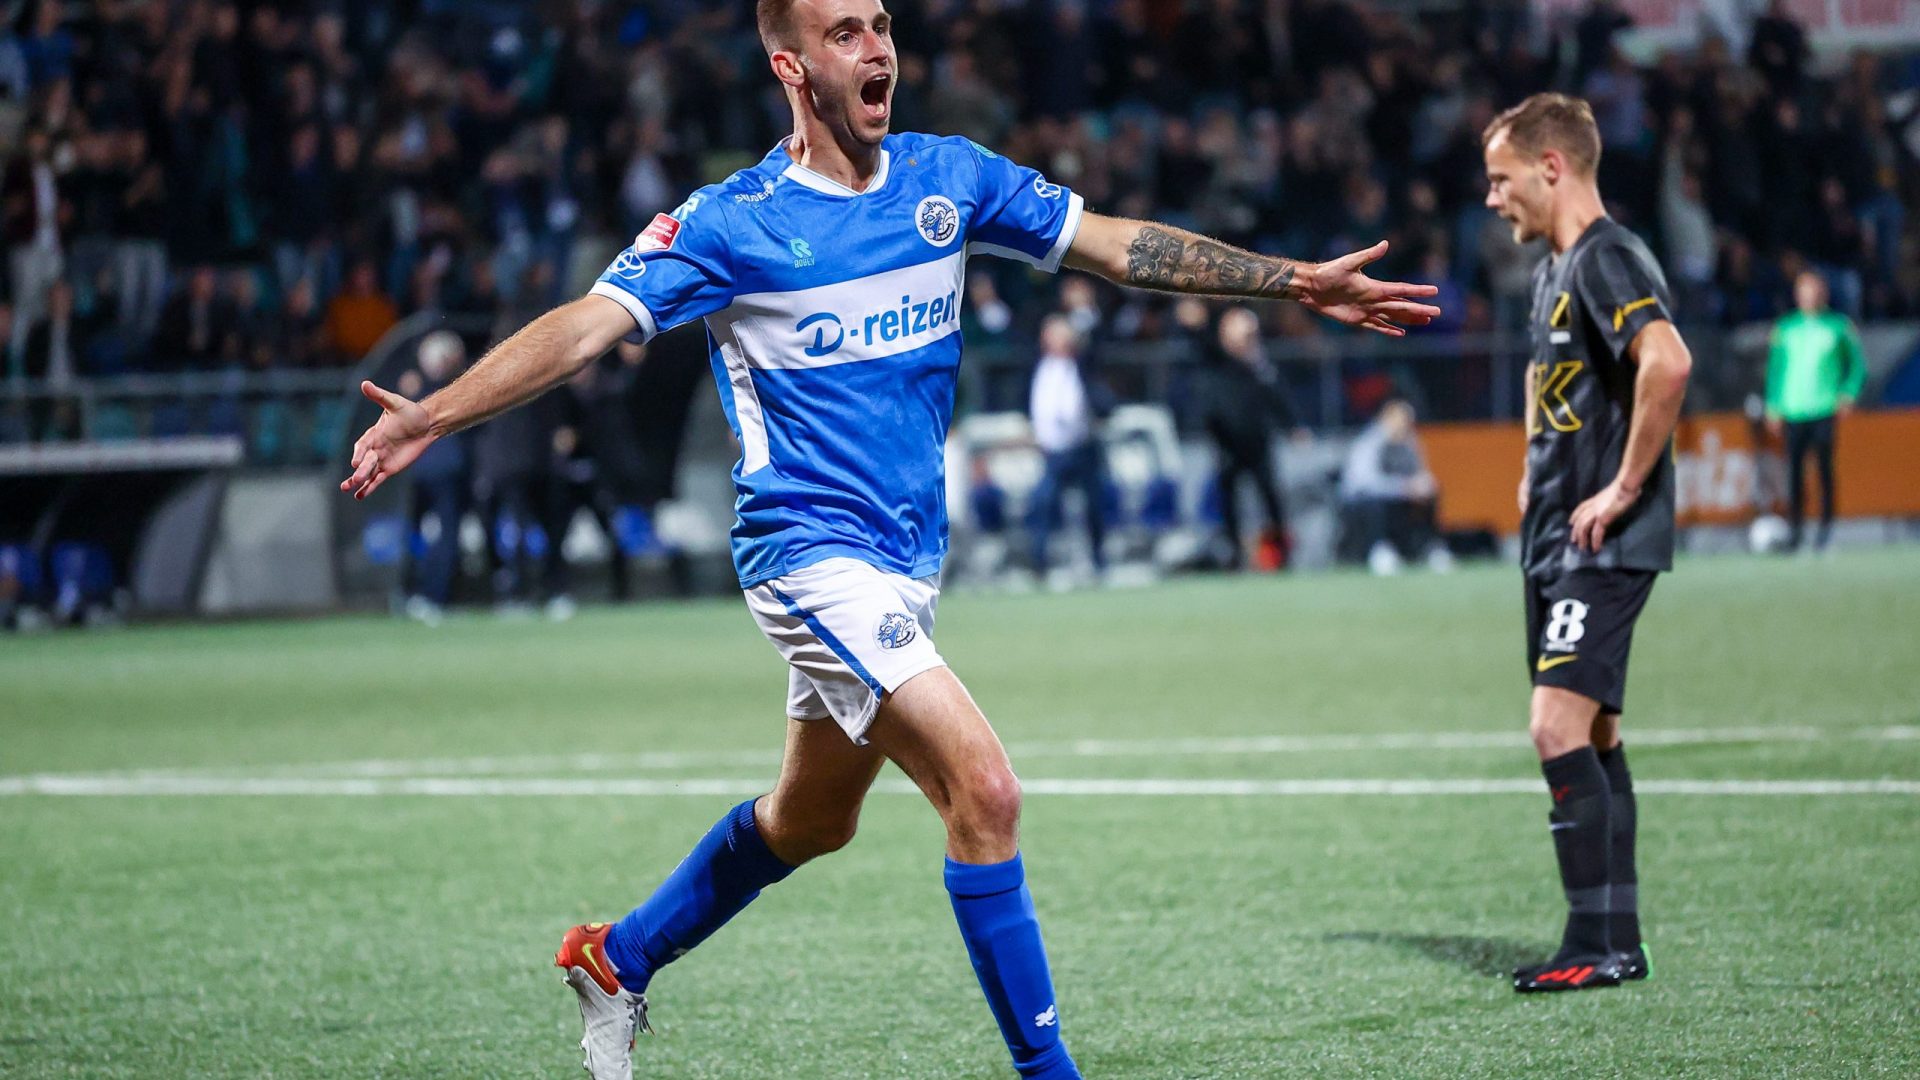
{"points": [[833, 318]]}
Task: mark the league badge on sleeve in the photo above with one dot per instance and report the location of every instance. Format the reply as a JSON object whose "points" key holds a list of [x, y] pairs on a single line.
{"points": [[658, 235]]}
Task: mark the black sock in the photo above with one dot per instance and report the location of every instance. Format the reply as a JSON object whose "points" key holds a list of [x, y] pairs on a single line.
{"points": [[1623, 902], [1581, 839]]}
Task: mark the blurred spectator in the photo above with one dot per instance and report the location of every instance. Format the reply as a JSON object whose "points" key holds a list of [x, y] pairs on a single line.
{"points": [[1814, 373], [987, 501], [510, 458], [1685, 224], [1779, 50], [16, 82], [357, 318], [49, 47], [293, 338], [50, 350], [36, 251], [985, 317], [1790, 155], [101, 345], [442, 487], [964, 103], [592, 451], [1243, 402], [1593, 37], [140, 258], [306, 204], [194, 326], [1508, 269], [468, 151], [48, 356], [241, 345], [1066, 407], [1080, 306], [1618, 96], [1387, 493], [1837, 247]]}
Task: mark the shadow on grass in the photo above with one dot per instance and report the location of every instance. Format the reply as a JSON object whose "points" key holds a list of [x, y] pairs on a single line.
{"points": [[1479, 955]]}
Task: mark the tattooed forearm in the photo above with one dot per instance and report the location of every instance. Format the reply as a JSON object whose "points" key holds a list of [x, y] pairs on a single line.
{"points": [[1174, 260]]}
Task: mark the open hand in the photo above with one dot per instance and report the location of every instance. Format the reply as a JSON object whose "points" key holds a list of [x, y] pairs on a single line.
{"points": [[1592, 518], [1343, 292], [395, 441]]}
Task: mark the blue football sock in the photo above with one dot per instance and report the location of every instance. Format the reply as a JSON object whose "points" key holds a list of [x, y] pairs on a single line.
{"points": [[996, 918], [721, 875]]}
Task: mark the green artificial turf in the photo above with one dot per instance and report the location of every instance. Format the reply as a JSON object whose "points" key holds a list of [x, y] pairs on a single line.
{"points": [[1194, 935]]}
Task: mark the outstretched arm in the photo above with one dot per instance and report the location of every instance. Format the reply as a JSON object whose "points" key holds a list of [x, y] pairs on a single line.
{"points": [[543, 354], [1153, 256]]}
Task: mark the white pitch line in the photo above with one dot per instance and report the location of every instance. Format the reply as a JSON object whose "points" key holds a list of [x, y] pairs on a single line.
{"points": [[580, 762], [1458, 740], [362, 786], [1199, 746], [570, 787]]}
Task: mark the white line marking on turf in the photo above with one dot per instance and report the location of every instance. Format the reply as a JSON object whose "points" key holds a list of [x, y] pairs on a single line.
{"points": [[1458, 740], [286, 786], [1077, 748], [567, 787]]}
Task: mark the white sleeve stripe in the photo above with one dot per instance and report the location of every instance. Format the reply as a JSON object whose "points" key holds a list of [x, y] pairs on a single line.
{"points": [[641, 316], [981, 247], [1051, 262], [1068, 230]]}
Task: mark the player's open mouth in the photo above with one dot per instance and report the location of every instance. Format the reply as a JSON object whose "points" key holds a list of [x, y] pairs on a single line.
{"points": [[873, 95]]}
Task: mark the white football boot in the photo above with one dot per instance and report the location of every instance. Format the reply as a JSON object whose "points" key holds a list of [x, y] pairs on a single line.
{"points": [[613, 1015]]}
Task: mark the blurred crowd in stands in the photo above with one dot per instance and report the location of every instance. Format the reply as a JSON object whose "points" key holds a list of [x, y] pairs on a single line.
{"points": [[204, 184]]}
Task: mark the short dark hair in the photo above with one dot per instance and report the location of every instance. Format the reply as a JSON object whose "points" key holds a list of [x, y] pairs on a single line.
{"points": [[775, 19], [1551, 122]]}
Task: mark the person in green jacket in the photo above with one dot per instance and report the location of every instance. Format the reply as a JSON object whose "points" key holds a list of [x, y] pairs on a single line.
{"points": [[1814, 374]]}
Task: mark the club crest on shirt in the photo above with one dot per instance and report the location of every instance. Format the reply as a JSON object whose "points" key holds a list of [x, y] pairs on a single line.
{"points": [[896, 630], [937, 219]]}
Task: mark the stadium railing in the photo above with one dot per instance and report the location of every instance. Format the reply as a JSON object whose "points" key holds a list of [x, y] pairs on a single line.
{"points": [[305, 418], [1449, 376], [283, 418]]}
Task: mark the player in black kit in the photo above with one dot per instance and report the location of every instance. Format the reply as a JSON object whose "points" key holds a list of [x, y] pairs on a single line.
{"points": [[1608, 375]]}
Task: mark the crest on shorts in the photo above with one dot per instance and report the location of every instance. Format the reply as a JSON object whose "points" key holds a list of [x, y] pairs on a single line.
{"points": [[895, 630]]}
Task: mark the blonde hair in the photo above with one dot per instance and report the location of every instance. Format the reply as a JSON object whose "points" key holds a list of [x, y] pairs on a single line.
{"points": [[1551, 122]]}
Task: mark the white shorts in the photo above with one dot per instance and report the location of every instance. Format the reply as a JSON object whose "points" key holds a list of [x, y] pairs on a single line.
{"points": [[850, 633]]}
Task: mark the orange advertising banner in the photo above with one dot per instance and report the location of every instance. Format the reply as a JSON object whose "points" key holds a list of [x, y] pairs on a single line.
{"points": [[1726, 468]]}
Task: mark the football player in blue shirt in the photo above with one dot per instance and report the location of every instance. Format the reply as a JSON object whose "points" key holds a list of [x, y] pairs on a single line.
{"points": [[830, 277]]}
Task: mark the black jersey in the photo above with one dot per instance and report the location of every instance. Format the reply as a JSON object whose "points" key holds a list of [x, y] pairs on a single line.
{"points": [[1588, 304]]}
